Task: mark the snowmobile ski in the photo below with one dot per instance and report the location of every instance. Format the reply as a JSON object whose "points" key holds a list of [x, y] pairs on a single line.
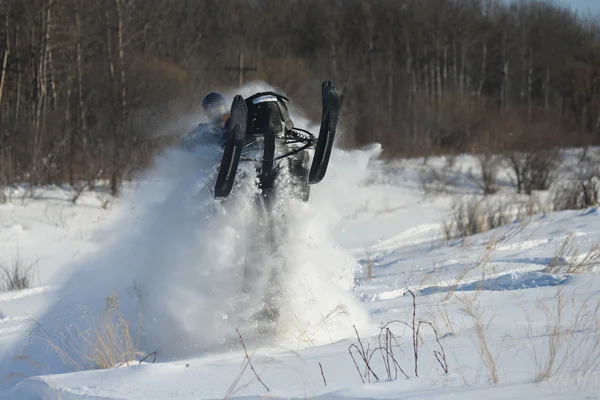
{"points": [[329, 119], [266, 176], [236, 136]]}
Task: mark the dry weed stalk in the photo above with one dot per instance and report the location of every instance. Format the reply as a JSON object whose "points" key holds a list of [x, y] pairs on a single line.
{"points": [[364, 355], [488, 359], [249, 361], [440, 310], [457, 280], [370, 264], [566, 258], [386, 341], [482, 263], [153, 355], [232, 388], [387, 352], [416, 327], [323, 374]]}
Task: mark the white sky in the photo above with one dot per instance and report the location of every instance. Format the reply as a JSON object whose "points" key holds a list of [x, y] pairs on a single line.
{"points": [[583, 5]]}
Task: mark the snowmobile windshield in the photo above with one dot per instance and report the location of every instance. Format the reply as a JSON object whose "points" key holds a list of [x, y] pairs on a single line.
{"points": [[264, 98]]}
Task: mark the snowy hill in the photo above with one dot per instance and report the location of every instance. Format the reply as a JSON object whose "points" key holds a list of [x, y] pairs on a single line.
{"points": [[508, 313]]}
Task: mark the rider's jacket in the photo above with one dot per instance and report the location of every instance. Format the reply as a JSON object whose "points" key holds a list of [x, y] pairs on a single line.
{"points": [[203, 134]]}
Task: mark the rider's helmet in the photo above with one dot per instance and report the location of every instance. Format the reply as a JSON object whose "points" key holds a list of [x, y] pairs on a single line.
{"points": [[215, 107]]}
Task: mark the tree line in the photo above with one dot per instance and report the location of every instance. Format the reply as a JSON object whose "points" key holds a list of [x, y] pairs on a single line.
{"points": [[92, 90]]}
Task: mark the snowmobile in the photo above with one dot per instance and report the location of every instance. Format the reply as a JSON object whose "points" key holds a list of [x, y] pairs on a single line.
{"points": [[260, 130]]}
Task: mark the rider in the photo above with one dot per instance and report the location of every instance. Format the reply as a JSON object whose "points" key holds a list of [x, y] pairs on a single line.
{"points": [[215, 109]]}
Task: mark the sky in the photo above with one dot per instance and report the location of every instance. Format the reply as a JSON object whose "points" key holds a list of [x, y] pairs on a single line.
{"points": [[583, 5]]}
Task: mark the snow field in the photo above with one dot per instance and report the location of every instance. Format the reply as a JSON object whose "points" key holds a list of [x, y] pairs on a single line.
{"points": [[511, 312]]}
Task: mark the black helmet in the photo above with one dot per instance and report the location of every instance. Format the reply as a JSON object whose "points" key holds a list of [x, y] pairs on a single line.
{"points": [[214, 107]]}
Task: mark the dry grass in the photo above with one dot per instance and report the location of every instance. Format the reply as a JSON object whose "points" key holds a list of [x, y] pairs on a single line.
{"points": [[435, 181], [571, 335], [440, 312], [305, 336], [107, 343], [482, 264], [567, 259], [472, 216], [489, 361], [112, 343], [18, 276], [458, 279], [235, 386], [584, 352], [545, 369]]}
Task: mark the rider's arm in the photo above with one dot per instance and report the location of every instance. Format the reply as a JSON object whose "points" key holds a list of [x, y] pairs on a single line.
{"points": [[187, 141], [204, 134], [191, 139]]}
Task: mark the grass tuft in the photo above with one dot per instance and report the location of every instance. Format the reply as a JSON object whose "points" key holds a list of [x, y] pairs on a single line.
{"points": [[18, 276], [489, 361], [108, 343], [567, 259]]}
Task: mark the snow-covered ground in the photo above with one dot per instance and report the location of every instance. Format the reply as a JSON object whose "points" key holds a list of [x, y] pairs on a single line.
{"points": [[507, 320]]}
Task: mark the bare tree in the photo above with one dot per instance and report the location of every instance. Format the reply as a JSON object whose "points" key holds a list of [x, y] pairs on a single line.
{"points": [[86, 88]]}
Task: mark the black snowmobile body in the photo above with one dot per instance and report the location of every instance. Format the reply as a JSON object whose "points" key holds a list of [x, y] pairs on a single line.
{"points": [[260, 129]]}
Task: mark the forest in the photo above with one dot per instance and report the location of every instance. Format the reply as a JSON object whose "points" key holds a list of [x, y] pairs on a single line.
{"points": [[94, 89]]}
